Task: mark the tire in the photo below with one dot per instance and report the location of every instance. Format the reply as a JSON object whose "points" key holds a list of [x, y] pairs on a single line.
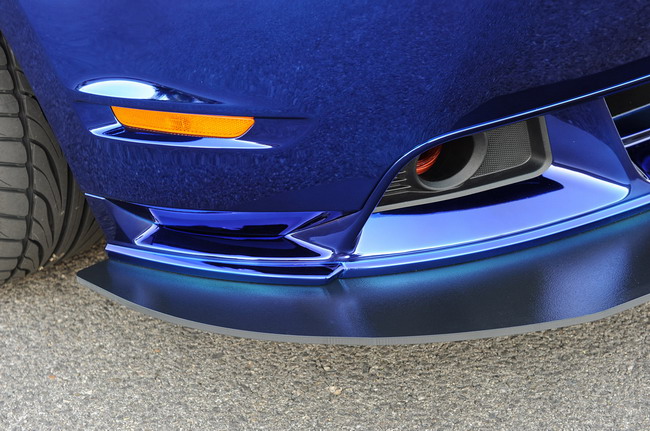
{"points": [[43, 214]]}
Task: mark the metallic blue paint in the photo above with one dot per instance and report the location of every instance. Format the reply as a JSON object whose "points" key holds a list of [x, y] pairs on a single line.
{"points": [[377, 79], [306, 248], [344, 94]]}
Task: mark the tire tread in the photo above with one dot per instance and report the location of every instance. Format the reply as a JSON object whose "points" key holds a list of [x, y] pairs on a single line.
{"points": [[43, 214]]}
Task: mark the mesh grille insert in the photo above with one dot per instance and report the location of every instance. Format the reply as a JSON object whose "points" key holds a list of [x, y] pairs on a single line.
{"points": [[508, 147]]}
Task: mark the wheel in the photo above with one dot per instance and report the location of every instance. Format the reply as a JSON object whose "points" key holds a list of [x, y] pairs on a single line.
{"points": [[43, 214]]}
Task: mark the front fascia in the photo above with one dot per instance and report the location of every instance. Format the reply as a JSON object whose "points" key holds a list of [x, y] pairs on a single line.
{"points": [[343, 90], [344, 94]]}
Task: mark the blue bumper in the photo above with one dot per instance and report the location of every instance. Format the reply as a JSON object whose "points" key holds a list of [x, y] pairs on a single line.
{"points": [[285, 230], [573, 280]]}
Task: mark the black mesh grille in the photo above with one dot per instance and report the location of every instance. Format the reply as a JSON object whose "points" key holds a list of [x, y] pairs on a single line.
{"points": [[508, 147]]}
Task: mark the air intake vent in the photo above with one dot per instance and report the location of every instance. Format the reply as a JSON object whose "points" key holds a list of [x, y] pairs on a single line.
{"points": [[471, 164], [630, 110]]}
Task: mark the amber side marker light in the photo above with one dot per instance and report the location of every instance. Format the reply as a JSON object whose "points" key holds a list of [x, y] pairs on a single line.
{"points": [[209, 126]]}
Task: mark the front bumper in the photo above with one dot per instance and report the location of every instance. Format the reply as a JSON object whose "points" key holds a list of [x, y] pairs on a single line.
{"points": [[564, 248], [343, 96], [577, 279]]}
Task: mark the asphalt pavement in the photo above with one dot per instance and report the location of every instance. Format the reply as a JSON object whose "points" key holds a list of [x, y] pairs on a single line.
{"points": [[73, 360]]}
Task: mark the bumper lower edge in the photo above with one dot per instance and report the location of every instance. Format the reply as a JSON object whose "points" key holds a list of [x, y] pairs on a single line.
{"points": [[573, 280]]}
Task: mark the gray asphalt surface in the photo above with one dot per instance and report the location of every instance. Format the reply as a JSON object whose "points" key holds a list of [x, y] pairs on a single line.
{"points": [[72, 360]]}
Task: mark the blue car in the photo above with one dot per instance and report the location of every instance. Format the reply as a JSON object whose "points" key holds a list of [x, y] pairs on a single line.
{"points": [[361, 172]]}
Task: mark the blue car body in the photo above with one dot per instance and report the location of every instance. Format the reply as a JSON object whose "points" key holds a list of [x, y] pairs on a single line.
{"points": [[281, 233]]}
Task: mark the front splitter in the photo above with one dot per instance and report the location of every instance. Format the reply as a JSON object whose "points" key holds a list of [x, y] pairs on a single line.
{"points": [[577, 279]]}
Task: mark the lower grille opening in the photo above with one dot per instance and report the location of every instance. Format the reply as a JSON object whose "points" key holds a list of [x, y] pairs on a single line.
{"points": [[471, 164], [630, 111]]}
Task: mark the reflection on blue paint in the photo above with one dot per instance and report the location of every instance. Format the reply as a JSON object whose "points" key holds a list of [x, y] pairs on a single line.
{"points": [[117, 132], [132, 89], [386, 234]]}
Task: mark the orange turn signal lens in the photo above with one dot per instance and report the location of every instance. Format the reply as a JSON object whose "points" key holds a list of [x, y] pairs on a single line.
{"points": [[214, 126]]}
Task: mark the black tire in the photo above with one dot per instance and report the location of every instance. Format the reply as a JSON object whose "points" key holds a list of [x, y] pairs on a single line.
{"points": [[43, 214]]}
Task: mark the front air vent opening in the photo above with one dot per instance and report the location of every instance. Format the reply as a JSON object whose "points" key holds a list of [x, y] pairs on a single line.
{"points": [[471, 164], [630, 110], [454, 164]]}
